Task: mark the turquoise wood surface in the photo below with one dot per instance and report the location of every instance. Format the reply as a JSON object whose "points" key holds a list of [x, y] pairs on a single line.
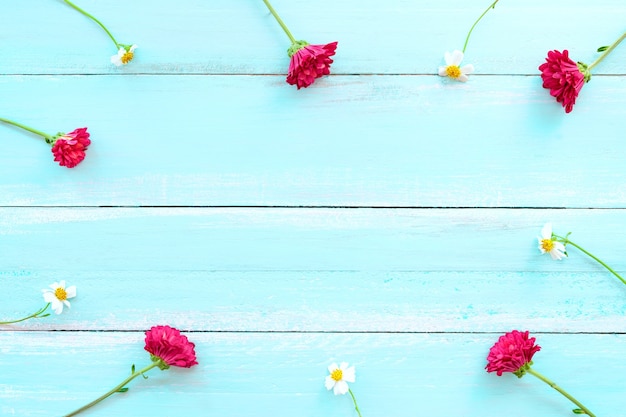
{"points": [[383, 216]]}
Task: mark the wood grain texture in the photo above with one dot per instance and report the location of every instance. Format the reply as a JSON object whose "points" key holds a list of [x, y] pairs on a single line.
{"points": [[314, 269], [218, 199], [241, 37], [356, 141], [282, 374]]}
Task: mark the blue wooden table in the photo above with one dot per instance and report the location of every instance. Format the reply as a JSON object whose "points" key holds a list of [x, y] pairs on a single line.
{"points": [[384, 216]]}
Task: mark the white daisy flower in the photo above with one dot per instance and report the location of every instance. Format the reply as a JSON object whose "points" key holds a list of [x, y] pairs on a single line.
{"points": [[452, 68], [548, 245], [124, 55], [339, 378], [59, 295]]}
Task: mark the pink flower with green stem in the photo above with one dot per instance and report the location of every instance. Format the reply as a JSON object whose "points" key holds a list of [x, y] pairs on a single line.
{"points": [[555, 245], [68, 148], [565, 78], [125, 53], [167, 347], [308, 62], [513, 352], [453, 68]]}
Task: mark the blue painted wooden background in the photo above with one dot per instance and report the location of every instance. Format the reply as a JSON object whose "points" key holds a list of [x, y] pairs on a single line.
{"points": [[384, 216]]}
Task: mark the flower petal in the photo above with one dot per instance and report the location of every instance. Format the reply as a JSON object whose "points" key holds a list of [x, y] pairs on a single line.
{"points": [[329, 383], [71, 291], [546, 232], [57, 306], [467, 69], [442, 71], [332, 367], [349, 374], [456, 57], [341, 387]]}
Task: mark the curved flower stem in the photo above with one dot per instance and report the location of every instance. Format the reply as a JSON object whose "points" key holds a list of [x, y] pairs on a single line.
{"points": [[114, 390], [492, 6], [559, 389], [608, 51], [356, 406], [30, 129], [75, 7], [566, 241], [279, 20], [35, 315]]}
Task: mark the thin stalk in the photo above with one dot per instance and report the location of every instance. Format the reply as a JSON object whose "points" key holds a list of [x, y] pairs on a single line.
{"points": [[28, 128], [279, 20], [356, 406], [114, 390], [561, 390], [92, 17], [566, 241], [32, 316], [492, 6], [608, 51]]}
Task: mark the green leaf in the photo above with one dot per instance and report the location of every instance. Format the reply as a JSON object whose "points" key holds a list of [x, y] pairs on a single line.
{"points": [[132, 369], [601, 49], [578, 411], [122, 389]]}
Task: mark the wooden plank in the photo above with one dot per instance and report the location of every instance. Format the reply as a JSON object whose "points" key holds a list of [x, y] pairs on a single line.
{"points": [[398, 270], [282, 374], [237, 37], [355, 141]]}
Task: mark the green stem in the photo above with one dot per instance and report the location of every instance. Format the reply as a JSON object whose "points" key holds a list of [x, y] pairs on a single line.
{"points": [[35, 315], [566, 241], [30, 129], [114, 390], [559, 389], [356, 406], [492, 6], [280, 21], [608, 51], [117, 45]]}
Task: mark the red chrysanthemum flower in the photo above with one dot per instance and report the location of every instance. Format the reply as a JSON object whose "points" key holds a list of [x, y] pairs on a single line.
{"points": [[309, 62], [69, 149], [513, 352], [168, 345], [563, 77]]}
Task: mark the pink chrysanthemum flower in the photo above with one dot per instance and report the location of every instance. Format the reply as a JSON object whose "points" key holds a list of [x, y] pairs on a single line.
{"points": [[309, 62], [69, 149], [167, 344], [563, 77], [513, 353]]}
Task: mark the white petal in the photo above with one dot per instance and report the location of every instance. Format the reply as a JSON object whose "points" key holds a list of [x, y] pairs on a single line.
{"points": [[54, 286], [463, 78], [467, 69], [341, 388], [71, 291], [349, 374], [541, 249], [546, 232], [67, 303], [132, 48], [343, 366], [329, 383], [442, 71], [49, 297], [457, 57], [447, 57], [57, 306], [332, 367], [62, 284]]}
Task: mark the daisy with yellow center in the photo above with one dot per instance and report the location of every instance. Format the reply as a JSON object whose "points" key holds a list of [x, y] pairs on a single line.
{"points": [[550, 242], [453, 69], [55, 297], [124, 55], [549, 245], [338, 379], [58, 296]]}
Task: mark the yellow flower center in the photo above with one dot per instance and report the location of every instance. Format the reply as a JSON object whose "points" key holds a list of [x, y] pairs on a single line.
{"points": [[547, 244], [453, 71], [337, 375], [127, 57], [60, 294]]}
